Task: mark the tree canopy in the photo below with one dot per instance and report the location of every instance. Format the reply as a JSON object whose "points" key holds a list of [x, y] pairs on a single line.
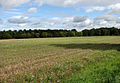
{"points": [[17, 34]]}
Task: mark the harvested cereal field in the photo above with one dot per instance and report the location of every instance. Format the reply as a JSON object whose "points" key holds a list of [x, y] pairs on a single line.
{"points": [[60, 60]]}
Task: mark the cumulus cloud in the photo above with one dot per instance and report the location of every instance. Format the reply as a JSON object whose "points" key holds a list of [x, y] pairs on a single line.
{"points": [[115, 8], [107, 18], [64, 23], [67, 22], [79, 22], [79, 18], [106, 21], [52, 22]]}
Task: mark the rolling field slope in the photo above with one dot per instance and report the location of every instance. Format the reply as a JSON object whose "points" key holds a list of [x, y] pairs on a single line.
{"points": [[60, 60]]}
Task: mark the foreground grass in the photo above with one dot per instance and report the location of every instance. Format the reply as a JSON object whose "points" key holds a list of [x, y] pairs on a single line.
{"points": [[63, 60], [106, 71]]}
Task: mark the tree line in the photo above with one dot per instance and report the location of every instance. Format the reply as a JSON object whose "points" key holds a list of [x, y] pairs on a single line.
{"points": [[102, 32], [38, 34], [18, 34]]}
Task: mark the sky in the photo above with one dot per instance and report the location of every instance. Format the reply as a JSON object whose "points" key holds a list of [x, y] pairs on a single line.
{"points": [[59, 14]]}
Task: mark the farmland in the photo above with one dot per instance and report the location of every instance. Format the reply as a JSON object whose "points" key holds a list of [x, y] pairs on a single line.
{"points": [[60, 60]]}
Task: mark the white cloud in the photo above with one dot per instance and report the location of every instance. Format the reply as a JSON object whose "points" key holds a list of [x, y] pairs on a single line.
{"points": [[88, 21], [65, 22], [22, 25], [114, 8], [92, 5], [29, 11], [106, 21], [9, 12], [79, 18], [62, 3], [32, 10], [19, 17], [13, 9], [79, 3], [12, 3], [18, 21], [68, 22], [23, 19], [95, 9], [107, 18]]}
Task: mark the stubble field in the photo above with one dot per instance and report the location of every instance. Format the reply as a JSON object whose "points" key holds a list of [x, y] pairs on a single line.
{"points": [[60, 60]]}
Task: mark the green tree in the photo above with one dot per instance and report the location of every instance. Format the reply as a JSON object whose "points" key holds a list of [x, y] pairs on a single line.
{"points": [[44, 34]]}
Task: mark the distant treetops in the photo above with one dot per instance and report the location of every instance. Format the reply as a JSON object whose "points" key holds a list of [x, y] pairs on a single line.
{"points": [[58, 33]]}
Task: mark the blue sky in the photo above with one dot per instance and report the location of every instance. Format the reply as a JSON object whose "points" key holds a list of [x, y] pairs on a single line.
{"points": [[59, 14]]}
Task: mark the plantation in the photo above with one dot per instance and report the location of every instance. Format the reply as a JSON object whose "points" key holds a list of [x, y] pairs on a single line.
{"points": [[60, 60]]}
